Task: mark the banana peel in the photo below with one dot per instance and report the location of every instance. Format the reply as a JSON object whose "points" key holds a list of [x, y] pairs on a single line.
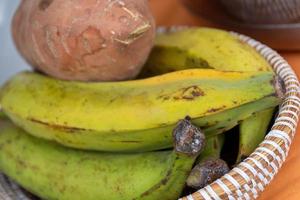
{"points": [[253, 133], [134, 115], [202, 48], [52, 171]]}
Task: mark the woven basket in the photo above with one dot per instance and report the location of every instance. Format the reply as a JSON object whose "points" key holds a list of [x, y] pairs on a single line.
{"points": [[264, 11], [249, 178]]}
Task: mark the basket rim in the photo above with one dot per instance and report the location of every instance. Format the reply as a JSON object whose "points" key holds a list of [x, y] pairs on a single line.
{"points": [[249, 178]]}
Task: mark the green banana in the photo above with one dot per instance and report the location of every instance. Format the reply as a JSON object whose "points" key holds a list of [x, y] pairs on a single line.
{"points": [[209, 166], [253, 133], [212, 48], [212, 149], [2, 115], [54, 172], [134, 115]]}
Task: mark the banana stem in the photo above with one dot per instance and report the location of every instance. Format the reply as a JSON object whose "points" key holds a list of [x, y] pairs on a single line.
{"points": [[212, 148], [209, 166]]}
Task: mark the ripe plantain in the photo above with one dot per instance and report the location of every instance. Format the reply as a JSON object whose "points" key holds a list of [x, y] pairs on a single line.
{"points": [[209, 166], [217, 49], [253, 133], [2, 115], [134, 115], [53, 172], [202, 48]]}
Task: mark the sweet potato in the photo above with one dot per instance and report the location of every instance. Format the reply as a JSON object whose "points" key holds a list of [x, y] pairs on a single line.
{"points": [[90, 40]]}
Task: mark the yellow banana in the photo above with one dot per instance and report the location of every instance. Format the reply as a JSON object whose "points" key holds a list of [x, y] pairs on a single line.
{"points": [[202, 48], [54, 172], [212, 48], [133, 115]]}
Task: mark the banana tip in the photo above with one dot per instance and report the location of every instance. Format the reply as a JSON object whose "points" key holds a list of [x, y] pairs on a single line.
{"points": [[206, 172], [188, 138]]}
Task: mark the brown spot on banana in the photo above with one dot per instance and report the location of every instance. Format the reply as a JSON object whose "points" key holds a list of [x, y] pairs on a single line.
{"points": [[21, 164], [192, 92], [213, 110], [64, 128], [189, 93]]}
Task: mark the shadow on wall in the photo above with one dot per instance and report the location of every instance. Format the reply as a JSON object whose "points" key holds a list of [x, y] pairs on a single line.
{"points": [[10, 61]]}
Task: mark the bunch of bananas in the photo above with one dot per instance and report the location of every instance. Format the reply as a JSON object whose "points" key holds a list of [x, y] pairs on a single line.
{"points": [[132, 139]]}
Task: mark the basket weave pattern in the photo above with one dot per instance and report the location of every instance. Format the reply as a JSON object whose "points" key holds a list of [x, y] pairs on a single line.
{"points": [[250, 177]]}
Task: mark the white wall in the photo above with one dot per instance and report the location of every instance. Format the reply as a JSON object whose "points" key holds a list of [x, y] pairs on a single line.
{"points": [[10, 60]]}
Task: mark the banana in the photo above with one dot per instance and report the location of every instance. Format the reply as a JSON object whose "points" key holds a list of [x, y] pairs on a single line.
{"points": [[253, 133], [213, 148], [202, 48], [133, 115], [217, 49], [2, 115], [209, 166], [54, 172]]}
